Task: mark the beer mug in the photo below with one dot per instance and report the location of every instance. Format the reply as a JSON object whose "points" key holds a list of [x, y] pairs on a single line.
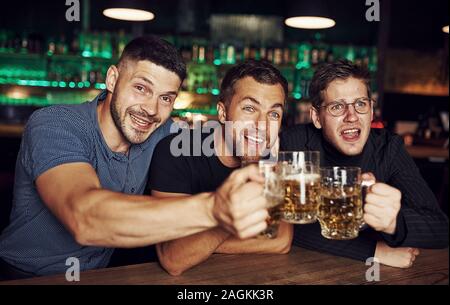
{"points": [[300, 172], [340, 210], [274, 194]]}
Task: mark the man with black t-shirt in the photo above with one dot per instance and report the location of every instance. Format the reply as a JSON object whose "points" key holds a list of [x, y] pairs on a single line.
{"points": [[400, 210], [252, 99]]}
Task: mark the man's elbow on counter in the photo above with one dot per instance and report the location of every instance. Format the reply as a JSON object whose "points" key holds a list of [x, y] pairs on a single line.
{"points": [[168, 263], [287, 240], [284, 244]]}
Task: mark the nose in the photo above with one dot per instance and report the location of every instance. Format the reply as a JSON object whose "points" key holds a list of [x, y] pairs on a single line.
{"points": [[351, 115], [151, 107]]}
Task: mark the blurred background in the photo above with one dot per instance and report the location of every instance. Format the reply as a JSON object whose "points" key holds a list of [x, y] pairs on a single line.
{"points": [[46, 59]]}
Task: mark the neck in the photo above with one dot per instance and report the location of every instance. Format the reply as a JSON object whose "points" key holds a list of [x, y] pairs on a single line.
{"points": [[223, 153], [334, 157], [112, 135]]}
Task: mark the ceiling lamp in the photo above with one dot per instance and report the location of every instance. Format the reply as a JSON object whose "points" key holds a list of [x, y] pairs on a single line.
{"points": [[309, 15], [445, 29], [131, 10]]}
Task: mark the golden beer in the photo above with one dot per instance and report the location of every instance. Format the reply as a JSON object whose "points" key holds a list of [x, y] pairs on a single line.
{"points": [[274, 194], [301, 180], [273, 221], [301, 200], [340, 211]]}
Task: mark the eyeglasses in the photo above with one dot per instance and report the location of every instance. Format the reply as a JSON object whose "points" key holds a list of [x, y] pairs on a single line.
{"points": [[361, 106]]}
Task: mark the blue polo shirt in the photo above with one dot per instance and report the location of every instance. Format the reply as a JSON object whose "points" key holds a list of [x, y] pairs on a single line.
{"points": [[35, 241]]}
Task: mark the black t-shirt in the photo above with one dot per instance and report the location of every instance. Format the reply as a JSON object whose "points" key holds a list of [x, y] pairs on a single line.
{"points": [[186, 174]]}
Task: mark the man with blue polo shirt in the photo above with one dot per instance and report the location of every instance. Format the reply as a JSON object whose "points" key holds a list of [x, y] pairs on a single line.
{"points": [[82, 169]]}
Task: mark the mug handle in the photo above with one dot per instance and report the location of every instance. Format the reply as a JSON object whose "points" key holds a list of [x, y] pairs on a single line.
{"points": [[364, 187]]}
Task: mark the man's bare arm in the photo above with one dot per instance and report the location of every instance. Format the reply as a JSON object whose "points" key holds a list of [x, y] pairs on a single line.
{"points": [[177, 256], [279, 245], [100, 217]]}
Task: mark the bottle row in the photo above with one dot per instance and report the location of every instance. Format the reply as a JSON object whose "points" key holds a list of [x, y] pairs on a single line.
{"points": [[95, 44], [110, 45]]}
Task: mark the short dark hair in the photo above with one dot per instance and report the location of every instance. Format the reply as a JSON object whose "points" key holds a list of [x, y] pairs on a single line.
{"points": [[157, 51], [328, 72], [261, 71]]}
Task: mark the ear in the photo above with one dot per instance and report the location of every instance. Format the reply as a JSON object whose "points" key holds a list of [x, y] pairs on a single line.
{"points": [[221, 112], [314, 115], [111, 78]]}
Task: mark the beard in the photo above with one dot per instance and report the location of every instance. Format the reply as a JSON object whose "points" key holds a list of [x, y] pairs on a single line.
{"points": [[132, 135]]}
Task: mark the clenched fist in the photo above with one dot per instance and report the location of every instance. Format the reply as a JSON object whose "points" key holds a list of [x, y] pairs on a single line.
{"points": [[382, 205], [239, 204]]}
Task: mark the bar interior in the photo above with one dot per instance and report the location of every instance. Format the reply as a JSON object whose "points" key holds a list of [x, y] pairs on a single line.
{"points": [[53, 53]]}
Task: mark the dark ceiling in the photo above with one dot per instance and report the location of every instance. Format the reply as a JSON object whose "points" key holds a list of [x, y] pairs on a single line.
{"points": [[414, 24]]}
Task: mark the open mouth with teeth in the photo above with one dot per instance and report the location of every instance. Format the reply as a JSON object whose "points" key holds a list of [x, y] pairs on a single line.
{"points": [[351, 134], [140, 122], [253, 140]]}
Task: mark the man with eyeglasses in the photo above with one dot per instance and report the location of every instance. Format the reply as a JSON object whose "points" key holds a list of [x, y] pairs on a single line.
{"points": [[400, 209]]}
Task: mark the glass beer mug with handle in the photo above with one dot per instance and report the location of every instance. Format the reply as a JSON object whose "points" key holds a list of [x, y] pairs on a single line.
{"points": [[274, 194], [300, 171], [340, 210]]}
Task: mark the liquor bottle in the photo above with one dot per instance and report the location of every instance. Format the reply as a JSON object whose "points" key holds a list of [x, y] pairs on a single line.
{"points": [[201, 54], [278, 56], [106, 45], [304, 56], [263, 52], [209, 54], [270, 54], [231, 55], [314, 56], [223, 53], [51, 47], [24, 44], [95, 44], [194, 53], [350, 55], [61, 46], [286, 56]]}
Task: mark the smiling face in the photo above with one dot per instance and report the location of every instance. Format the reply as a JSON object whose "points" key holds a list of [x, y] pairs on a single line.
{"points": [[256, 111], [143, 95], [348, 133]]}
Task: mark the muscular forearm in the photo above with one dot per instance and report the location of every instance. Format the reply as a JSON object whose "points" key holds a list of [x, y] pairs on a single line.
{"points": [[177, 256], [109, 219], [280, 244]]}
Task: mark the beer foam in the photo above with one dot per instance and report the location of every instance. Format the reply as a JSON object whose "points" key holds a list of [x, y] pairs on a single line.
{"points": [[306, 177]]}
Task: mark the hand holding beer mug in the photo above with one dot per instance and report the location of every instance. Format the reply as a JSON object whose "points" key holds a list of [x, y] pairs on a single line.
{"points": [[301, 178], [340, 210], [274, 194]]}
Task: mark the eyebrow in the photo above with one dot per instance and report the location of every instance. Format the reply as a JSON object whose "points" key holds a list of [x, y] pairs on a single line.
{"points": [[343, 100], [277, 105], [145, 79]]}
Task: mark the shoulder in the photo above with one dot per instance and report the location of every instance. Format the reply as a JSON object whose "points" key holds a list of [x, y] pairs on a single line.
{"points": [[385, 140], [67, 116], [63, 126]]}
